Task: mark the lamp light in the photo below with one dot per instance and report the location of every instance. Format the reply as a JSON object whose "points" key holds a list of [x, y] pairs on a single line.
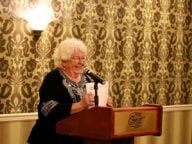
{"points": [[38, 16]]}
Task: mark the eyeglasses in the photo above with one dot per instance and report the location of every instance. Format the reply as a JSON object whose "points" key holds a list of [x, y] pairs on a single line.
{"points": [[78, 58]]}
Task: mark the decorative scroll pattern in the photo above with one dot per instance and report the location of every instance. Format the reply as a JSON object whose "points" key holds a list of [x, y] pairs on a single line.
{"points": [[142, 47]]}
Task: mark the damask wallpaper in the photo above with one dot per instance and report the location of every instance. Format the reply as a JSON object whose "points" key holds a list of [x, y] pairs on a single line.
{"points": [[142, 47]]}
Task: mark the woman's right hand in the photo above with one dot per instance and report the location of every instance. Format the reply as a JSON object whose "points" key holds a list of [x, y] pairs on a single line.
{"points": [[88, 100]]}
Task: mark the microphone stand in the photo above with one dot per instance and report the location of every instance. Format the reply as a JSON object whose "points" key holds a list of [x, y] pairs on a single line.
{"points": [[96, 93]]}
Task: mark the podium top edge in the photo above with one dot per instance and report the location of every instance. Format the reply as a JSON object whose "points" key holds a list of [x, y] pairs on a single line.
{"points": [[144, 107], [147, 107]]}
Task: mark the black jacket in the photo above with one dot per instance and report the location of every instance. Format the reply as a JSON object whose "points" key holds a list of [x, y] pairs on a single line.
{"points": [[55, 104]]}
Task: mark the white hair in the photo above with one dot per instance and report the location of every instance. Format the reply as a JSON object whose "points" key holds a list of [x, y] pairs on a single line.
{"points": [[66, 48]]}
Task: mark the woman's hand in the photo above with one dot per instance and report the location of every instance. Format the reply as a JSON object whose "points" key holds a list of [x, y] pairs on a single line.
{"points": [[110, 102], [88, 100]]}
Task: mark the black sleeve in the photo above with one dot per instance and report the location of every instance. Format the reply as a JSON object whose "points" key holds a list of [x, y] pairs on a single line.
{"points": [[55, 101]]}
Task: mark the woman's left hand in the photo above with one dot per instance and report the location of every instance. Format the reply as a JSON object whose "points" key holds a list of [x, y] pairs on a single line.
{"points": [[110, 102]]}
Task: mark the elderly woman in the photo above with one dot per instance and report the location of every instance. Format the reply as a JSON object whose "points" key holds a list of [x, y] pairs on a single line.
{"points": [[62, 93]]}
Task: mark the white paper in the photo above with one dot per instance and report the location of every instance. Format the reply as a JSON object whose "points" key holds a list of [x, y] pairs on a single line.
{"points": [[102, 92]]}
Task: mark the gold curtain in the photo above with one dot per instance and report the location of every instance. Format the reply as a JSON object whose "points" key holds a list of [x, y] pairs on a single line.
{"points": [[142, 47]]}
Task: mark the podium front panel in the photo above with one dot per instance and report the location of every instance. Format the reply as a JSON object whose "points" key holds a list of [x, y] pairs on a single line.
{"points": [[137, 121], [103, 123]]}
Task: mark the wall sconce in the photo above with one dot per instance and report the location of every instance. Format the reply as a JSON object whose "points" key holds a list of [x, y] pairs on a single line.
{"points": [[38, 16], [37, 34]]}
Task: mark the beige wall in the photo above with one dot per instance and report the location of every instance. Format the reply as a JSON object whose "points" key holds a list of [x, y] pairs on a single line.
{"points": [[15, 128], [15, 132], [177, 127]]}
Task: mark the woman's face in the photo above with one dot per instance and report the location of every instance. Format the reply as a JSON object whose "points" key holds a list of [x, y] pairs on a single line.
{"points": [[76, 64]]}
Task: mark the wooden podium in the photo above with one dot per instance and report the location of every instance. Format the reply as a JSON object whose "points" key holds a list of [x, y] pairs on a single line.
{"points": [[104, 125]]}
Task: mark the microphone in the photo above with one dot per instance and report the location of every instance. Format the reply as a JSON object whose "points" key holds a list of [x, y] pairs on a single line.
{"points": [[95, 77]]}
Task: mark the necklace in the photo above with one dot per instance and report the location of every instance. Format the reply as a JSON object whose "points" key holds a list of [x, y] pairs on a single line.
{"points": [[76, 90]]}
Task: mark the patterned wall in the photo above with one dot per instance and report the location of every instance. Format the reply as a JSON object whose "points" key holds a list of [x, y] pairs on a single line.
{"points": [[142, 47]]}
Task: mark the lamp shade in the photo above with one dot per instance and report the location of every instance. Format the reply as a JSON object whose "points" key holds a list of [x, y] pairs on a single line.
{"points": [[39, 15]]}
